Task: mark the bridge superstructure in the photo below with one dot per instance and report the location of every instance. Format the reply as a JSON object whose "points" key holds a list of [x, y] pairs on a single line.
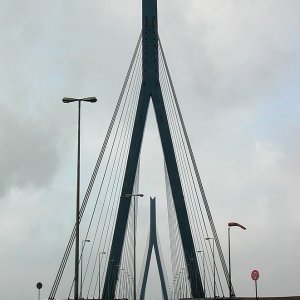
{"points": [[109, 265], [151, 89]]}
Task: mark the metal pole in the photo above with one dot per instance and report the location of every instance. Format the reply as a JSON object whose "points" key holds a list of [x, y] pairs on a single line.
{"points": [[77, 209], [100, 254], [99, 275], [256, 289], [203, 262], [81, 278], [108, 289], [214, 262], [214, 268], [121, 283], [39, 285], [229, 262], [128, 287], [80, 295], [134, 241], [110, 278], [198, 262], [230, 224], [116, 279], [76, 277], [134, 251]]}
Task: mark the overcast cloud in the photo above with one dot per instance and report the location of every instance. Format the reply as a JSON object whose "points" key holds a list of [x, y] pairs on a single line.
{"points": [[235, 66]]}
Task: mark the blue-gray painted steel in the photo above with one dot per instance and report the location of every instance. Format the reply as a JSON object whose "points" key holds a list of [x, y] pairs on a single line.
{"points": [[150, 88], [153, 244]]}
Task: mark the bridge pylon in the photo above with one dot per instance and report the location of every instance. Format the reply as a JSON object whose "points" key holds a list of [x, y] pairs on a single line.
{"points": [[153, 244], [151, 89]]}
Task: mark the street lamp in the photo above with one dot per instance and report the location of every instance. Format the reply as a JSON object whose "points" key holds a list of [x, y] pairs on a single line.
{"points": [[82, 247], [231, 224], [68, 100], [203, 266], [174, 287], [134, 241], [111, 261], [100, 254], [121, 289], [116, 278], [214, 263], [88, 99], [180, 284], [129, 286]]}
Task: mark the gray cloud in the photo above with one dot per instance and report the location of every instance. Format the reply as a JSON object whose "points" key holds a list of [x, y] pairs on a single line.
{"points": [[235, 66], [29, 151]]}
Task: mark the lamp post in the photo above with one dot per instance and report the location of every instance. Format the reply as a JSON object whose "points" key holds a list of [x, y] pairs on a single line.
{"points": [[100, 254], [82, 247], [110, 261], [134, 241], [116, 277], [203, 267], [178, 284], [176, 296], [231, 224], [121, 283], [130, 285], [214, 263], [69, 100], [126, 292], [174, 287]]}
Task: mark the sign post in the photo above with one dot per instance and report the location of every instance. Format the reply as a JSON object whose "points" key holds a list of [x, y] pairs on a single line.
{"points": [[255, 276], [39, 285]]}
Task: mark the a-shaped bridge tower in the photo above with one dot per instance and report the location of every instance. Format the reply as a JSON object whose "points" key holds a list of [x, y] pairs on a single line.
{"points": [[153, 244], [151, 89]]}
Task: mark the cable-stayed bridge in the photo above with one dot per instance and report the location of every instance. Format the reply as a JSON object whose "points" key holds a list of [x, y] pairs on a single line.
{"points": [[108, 216]]}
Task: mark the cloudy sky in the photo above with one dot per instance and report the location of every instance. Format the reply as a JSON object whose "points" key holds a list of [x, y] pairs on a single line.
{"points": [[235, 66]]}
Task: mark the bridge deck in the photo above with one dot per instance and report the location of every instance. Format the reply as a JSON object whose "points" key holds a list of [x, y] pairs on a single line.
{"points": [[249, 298]]}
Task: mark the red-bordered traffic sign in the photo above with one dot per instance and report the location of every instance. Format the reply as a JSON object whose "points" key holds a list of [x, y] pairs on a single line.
{"points": [[255, 275]]}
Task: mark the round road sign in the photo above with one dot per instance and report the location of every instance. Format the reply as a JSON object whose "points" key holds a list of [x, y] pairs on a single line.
{"points": [[254, 274], [39, 285]]}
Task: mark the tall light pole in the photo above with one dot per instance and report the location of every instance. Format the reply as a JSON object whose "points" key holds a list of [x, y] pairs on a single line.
{"points": [[68, 100], [116, 279], [214, 262], [110, 261], [174, 287], [100, 254], [121, 283], [178, 284], [203, 267], [134, 241], [82, 247], [231, 224], [129, 288]]}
